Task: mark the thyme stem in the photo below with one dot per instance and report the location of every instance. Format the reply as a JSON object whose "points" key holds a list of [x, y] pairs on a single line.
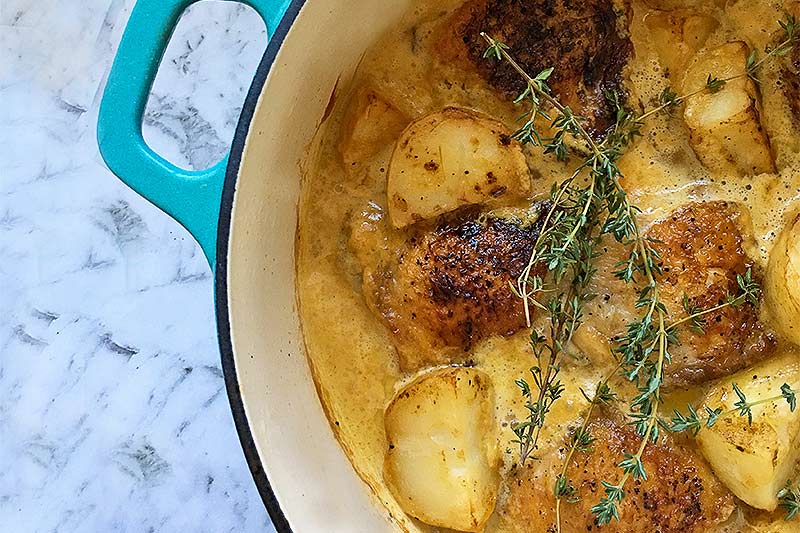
{"points": [[582, 439], [532, 85], [566, 243]]}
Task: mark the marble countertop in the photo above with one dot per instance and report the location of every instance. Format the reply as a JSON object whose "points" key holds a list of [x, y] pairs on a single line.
{"points": [[113, 412]]}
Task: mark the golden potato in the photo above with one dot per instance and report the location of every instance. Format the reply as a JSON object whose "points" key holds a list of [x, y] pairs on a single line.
{"points": [[371, 123], [453, 158], [677, 36], [782, 287], [442, 462], [697, 29], [725, 126], [756, 460]]}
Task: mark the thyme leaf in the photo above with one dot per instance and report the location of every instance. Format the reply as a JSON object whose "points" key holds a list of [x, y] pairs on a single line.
{"points": [[693, 422], [584, 208], [789, 500]]}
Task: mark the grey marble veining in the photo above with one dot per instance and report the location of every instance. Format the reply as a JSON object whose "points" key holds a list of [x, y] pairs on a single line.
{"points": [[113, 413]]}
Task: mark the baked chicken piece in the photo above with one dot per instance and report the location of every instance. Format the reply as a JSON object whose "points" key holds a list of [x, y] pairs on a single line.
{"points": [[701, 250], [447, 285], [584, 42], [681, 494]]}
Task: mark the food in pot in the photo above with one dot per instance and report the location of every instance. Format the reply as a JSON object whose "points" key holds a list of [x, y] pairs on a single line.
{"points": [[451, 159], [442, 462], [546, 266], [755, 455]]}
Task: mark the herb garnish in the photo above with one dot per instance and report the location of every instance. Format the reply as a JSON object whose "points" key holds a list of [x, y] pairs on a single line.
{"points": [[692, 422], [582, 441], [789, 500], [580, 215]]}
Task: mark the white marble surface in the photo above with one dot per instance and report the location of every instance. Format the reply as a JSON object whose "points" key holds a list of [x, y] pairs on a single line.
{"points": [[113, 413]]}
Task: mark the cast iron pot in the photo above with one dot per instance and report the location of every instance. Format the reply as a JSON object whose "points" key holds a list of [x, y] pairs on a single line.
{"points": [[243, 212]]}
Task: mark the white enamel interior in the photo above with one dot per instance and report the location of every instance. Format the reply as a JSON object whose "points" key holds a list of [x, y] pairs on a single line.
{"points": [[314, 483]]}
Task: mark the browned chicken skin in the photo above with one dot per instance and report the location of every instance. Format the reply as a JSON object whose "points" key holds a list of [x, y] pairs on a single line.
{"points": [[581, 39], [448, 285], [701, 252], [680, 495]]}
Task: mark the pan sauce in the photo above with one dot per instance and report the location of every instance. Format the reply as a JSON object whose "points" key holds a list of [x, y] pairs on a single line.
{"points": [[351, 353]]}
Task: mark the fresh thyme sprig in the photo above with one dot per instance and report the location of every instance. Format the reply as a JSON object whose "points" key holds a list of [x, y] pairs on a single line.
{"points": [[643, 337], [669, 99], [749, 291], [538, 91], [644, 406], [789, 500], [583, 216], [693, 422], [791, 37], [582, 441], [566, 245]]}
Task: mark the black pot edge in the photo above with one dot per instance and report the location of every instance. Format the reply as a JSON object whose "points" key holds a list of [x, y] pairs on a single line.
{"points": [[221, 285]]}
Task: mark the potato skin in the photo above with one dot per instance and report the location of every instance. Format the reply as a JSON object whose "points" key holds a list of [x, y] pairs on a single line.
{"points": [[755, 460], [442, 462], [447, 286], [783, 281], [450, 159], [681, 494], [702, 252]]}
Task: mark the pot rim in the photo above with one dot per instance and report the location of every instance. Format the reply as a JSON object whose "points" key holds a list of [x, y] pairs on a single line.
{"points": [[241, 422]]}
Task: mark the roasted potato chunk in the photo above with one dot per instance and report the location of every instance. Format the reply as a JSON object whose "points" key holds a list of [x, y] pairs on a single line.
{"points": [[680, 495], [442, 462], [677, 36], [447, 285], [371, 123], [725, 126], [701, 246], [755, 460], [450, 159], [583, 41], [783, 281]]}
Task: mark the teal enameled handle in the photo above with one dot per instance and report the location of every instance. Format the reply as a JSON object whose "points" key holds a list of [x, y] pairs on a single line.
{"points": [[191, 197]]}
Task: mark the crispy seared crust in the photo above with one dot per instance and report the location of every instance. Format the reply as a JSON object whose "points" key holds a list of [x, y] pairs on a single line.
{"points": [[681, 494], [701, 253], [449, 285], [579, 38]]}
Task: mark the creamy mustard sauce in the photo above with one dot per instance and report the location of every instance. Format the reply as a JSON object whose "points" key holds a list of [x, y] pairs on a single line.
{"points": [[349, 349]]}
